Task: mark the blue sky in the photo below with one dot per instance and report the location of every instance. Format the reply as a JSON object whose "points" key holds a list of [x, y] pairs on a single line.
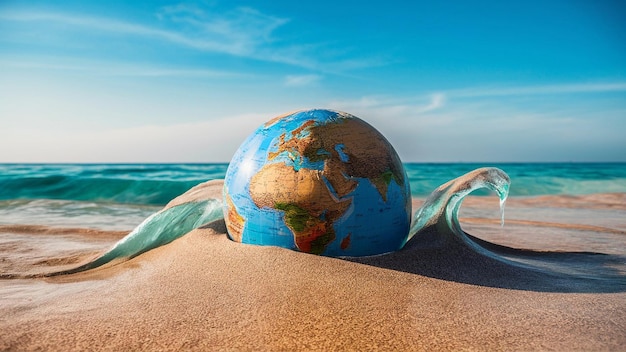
{"points": [[167, 81]]}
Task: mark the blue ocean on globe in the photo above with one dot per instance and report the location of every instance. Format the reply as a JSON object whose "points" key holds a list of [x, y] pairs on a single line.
{"points": [[321, 182]]}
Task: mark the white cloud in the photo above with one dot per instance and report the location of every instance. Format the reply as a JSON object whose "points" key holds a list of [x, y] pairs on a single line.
{"points": [[539, 89], [437, 101], [301, 80], [382, 105]]}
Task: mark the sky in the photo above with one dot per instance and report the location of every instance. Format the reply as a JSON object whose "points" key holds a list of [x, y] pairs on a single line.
{"points": [[444, 81]]}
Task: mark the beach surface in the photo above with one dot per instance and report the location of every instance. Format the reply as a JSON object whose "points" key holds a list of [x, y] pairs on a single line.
{"points": [[205, 292]]}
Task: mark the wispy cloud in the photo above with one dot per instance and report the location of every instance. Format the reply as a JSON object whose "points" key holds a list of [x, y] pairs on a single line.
{"points": [[408, 106], [437, 101], [301, 80], [242, 32], [440, 104], [122, 27], [115, 69], [592, 87]]}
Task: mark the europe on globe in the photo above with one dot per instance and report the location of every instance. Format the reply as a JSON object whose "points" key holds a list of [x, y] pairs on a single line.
{"points": [[318, 181]]}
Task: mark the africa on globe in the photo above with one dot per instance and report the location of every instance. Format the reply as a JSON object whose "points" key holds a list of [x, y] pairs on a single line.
{"points": [[321, 182]]}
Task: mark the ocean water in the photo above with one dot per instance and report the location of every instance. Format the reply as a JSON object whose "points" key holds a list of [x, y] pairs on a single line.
{"points": [[120, 196], [565, 220]]}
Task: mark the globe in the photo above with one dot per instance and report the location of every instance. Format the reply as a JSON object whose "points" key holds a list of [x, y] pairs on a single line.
{"points": [[318, 181]]}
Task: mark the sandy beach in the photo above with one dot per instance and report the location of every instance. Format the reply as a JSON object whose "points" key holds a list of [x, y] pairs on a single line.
{"points": [[205, 292]]}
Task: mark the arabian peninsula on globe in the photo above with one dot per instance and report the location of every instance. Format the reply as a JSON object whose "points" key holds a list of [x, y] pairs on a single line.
{"points": [[318, 181]]}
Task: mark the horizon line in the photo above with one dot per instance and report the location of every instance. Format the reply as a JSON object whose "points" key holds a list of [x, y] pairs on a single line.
{"points": [[227, 162]]}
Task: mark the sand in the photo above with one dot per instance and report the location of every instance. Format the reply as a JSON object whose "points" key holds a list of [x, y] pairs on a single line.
{"points": [[205, 292]]}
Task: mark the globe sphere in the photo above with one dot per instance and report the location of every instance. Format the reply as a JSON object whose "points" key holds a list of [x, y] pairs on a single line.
{"points": [[318, 181]]}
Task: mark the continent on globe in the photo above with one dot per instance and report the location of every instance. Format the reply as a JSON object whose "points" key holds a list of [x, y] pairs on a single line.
{"points": [[319, 181]]}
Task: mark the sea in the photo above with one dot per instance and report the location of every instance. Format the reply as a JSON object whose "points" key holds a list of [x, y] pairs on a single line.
{"points": [[565, 220], [120, 196]]}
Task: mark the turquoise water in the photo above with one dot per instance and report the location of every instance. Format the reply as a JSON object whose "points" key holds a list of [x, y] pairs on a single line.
{"points": [[124, 196], [532, 179], [149, 184], [121, 196], [156, 184]]}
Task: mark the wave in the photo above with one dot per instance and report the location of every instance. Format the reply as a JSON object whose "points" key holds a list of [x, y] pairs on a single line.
{"points": [[156, 184], [115, 190], [437, 221], [157, 230], [441, 208], [148, 184], [31, 229], [67, 213]]}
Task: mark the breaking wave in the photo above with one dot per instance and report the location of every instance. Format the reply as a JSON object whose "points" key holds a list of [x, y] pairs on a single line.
{"points": [[157, 230]]}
